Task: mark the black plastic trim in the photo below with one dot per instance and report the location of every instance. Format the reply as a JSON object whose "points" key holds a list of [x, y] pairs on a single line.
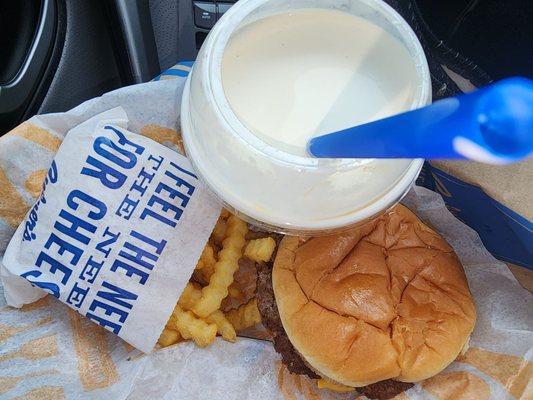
{"points": [[53, 63], [135, 23], [450, 57], [16, 93]]}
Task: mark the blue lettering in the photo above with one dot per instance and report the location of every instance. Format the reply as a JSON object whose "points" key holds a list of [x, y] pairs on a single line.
{"points": [[159, 246], [111, 326], [64, 246], [127, 207], [55, 266], [173, 193], [158, 161], [30, 224], [88, 199], [181, 182], [52, 172], [183, 170], [142, 257], [165, 206], [77, 295], [116, 295], [75, 224], [91, 270], [128, 162], [130, 270], [105, 246], [149, 213], [142, 181], [138, 255], [124, 141], [108, 176], [32, 219]]}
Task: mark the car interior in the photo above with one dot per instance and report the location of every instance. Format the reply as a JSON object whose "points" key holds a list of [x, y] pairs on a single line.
{"points": [[332, 199], [57, 53]]}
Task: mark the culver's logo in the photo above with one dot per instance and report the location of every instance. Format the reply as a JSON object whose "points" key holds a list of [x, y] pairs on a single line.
{"points": [[33, 216]]}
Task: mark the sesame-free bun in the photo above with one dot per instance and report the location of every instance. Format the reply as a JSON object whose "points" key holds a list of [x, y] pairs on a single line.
{"points": [[386, 300]]}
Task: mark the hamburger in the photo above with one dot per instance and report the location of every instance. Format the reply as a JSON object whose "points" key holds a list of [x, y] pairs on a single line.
{"points": [[377, 308]]}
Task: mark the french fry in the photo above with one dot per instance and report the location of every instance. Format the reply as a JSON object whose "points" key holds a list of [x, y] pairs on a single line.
{"points": [[198, 278], [194, 328], [204, 275], [207, 272], [219, 232], [208, 256], [224, 327], [207, 259], [245, 316], [188, 299], [225, 214], [205, 303], [171, 323], [260, 249], [168, 337], [227, 264], [191, 294], [206, 264]]}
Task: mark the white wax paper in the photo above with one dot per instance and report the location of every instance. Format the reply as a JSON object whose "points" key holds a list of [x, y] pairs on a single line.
{"points": [[49, 351], [498, 364]]}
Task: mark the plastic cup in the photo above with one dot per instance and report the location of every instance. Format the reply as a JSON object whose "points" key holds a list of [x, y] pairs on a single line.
{"points": [[274, 189]]}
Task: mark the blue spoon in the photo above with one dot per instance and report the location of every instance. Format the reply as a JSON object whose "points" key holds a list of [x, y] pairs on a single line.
{"points": [[492, 125]]}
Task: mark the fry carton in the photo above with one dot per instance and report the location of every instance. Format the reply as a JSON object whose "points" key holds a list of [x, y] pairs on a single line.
{"points": [[116, 231]]}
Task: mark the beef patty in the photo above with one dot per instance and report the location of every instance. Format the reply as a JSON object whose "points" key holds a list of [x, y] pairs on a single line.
{"points": [[271, 320]]}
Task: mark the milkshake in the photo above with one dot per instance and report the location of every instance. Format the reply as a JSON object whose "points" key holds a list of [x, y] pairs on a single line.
{"points": [[272, 75], [289, 79]]}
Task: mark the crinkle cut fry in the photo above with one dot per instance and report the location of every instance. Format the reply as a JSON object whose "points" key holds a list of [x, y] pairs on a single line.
{"points": [[191, 327], [219, 232], [191, 294], [168, 337], [227, 264], [246, 316]]}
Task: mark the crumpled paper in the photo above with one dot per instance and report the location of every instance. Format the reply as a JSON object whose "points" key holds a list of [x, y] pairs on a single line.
{"points": [[49, 351]]}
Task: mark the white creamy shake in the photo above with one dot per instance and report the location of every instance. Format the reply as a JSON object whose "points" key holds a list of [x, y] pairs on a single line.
{"points": [[292, 76], [272, 75]]}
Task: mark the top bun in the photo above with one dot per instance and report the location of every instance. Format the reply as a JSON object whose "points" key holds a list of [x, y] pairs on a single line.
{"points": [[386, 300]]}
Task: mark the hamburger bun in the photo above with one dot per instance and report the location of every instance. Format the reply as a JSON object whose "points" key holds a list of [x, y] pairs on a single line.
{"points": [[386, 300]]}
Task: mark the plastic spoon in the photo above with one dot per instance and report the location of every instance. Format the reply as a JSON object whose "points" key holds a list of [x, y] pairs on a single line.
{"points": [[492, 125]]}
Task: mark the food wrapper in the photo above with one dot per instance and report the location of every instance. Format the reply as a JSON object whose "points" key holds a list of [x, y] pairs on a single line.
{"points": [[116, 232], [47, 350]]}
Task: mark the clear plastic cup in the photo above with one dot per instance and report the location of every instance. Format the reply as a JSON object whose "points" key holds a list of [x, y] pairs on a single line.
{"points": [[267, 186]]}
